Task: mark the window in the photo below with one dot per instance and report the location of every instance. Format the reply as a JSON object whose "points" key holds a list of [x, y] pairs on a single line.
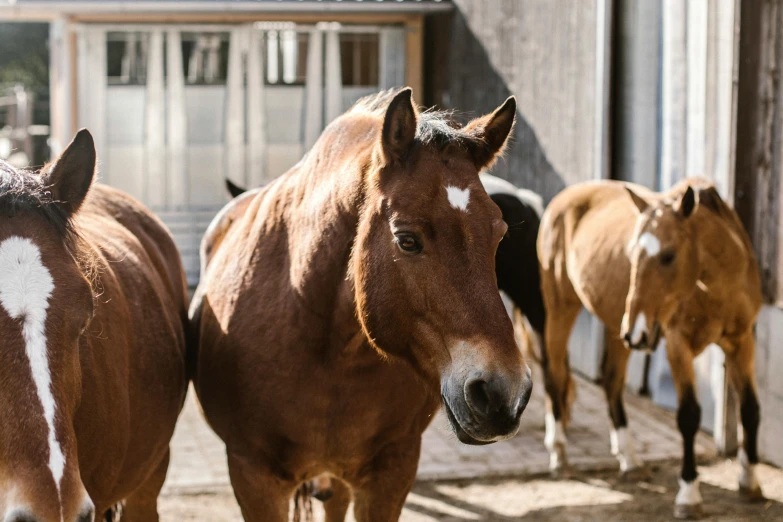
{"points": [[126, 58], [286, 56], [205, 58], [359, 54]]}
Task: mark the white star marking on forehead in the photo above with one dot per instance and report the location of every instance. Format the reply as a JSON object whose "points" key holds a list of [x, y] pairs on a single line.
{"points": [[458, 198]]}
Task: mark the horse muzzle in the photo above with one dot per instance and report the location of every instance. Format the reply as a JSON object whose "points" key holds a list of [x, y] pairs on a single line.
{"points": [[646, 341], [484, 409]]}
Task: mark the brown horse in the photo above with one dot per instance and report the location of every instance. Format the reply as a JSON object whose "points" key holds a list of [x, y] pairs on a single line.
{"points": [[340, 302], [677, 265], [92, 345]]}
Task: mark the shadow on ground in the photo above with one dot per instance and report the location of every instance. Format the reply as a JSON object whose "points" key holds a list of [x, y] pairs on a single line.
{"points": [[585, 497]]}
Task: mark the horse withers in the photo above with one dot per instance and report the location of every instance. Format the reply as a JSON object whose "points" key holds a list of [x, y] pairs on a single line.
{"points": [[675, 265], [92, 345], [346, 300]]}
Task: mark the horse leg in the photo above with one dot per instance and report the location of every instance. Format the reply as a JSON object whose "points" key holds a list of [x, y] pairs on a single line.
{"points": [[740, 367], [614, 367], [557, 381], [380, 494], [688, 503], [142, 505], [337, 505], [261, 495]]}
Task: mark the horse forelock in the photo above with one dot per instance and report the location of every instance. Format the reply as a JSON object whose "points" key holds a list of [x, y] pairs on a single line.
{"points": [[25, 190], [435, 128]]}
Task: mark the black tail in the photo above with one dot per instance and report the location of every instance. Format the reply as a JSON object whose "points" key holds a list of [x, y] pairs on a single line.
{"points": [[234, 189]]}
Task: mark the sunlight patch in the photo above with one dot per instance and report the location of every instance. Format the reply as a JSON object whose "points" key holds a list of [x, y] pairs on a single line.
{"points": [[516, 499]]}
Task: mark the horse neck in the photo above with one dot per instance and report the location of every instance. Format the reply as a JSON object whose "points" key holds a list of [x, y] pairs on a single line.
{"points": [[724, 251], [325, 195]]}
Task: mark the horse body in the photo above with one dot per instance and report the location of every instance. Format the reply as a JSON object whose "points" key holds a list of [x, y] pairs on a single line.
{"points": [[320, 348], [133, 364], [676, 265], [113, 345]]}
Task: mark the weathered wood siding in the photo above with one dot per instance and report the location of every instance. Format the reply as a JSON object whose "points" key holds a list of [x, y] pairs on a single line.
{"points": [[759, 193], [544, 53], [552, 56]]}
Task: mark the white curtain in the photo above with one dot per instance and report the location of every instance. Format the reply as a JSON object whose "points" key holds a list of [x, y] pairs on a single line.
{"points": [[235, 109], [333, 77], [176, 122], [392, 57], [155, 125], [92, 85], [314, 88], [256, 112]]}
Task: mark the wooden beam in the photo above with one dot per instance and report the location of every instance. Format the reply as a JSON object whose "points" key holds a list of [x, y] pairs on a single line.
{"points": [[414, 56], [230, 18]]}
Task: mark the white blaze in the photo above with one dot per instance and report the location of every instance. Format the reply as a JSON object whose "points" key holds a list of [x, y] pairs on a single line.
{"points": [[639, 327], [458, 198], [649, 243], [25, 288]]}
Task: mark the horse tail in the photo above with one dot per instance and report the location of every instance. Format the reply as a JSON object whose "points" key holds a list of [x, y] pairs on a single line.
{"points": [[303, 503]]}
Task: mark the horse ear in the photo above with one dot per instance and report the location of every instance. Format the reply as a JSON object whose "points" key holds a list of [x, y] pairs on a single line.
{"points": [[686, 203], [399, 126], [70, 177], [640, 203], [493, 129]]}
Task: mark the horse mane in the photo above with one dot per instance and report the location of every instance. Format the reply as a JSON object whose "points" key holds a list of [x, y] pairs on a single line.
{"points": [[436, 128], [25, 190]]}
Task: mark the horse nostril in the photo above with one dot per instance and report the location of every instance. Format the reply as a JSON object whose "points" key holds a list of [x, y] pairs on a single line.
{"points": [[477, 395], [627, 338]]}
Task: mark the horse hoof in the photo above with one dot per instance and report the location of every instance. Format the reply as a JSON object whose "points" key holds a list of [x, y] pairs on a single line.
{"points": [[751, 494], [323, 494], [688, 511]]}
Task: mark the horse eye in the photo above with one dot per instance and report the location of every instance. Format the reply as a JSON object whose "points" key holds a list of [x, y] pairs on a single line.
{"points": [[667, 257], [408, 243]]}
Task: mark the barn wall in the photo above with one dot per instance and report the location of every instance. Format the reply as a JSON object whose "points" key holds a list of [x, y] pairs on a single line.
{"points": [[544, 53], [551, 55], [759, 192]]}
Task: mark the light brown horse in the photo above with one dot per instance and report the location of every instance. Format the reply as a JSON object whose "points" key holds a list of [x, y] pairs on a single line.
{"points": [[340, 303], [677, 265], [92, 346]]}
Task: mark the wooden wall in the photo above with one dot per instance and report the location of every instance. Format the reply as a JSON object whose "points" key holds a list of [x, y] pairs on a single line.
{"points": [[544, 53], [551, 55], [759, 192]]}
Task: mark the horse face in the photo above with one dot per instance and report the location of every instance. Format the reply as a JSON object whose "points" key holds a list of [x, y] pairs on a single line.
{"points": [[45, 305], [424, 273], [664, 268]]}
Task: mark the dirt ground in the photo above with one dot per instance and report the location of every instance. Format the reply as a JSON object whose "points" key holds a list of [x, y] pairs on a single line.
{"points": [[584, 497]]}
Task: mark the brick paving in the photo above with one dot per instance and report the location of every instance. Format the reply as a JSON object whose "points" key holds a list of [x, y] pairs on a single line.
{"points": [[198, 456]]}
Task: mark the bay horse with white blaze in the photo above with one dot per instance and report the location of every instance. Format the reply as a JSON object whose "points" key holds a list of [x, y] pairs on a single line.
{"points": [[516, 264], [92, 346], [344, 301], [677, 265]]}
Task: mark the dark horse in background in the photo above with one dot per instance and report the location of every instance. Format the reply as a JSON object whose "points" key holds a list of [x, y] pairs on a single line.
{"points": [[342, 303], [93, 309]]}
